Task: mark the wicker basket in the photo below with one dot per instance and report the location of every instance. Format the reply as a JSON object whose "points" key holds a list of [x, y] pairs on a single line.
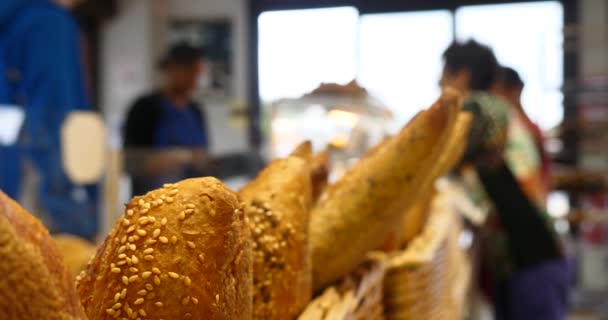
{"points": [[358, 297], [428, 279]]}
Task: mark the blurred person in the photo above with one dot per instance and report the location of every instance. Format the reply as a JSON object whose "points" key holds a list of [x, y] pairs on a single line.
{"points": [[510, 87], [523, 270], [41, 73], [165, 135]]}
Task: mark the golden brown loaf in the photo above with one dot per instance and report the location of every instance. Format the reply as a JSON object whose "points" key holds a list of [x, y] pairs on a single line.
{"points": [[277, 204], [180, 252], [354, 214], [34, 283], [76, 252]]}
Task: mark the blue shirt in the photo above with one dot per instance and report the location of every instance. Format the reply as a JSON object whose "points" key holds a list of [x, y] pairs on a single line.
{"points": [[179, 127]]}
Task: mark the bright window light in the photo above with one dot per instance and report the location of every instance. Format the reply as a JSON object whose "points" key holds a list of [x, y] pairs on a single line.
{"points": [[400, 58], [527, 37], [299, 49]]}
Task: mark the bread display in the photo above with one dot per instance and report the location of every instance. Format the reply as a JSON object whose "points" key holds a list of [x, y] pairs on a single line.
{"points": [[354, 214], [34, 283], [277, 204], [180, 252]]}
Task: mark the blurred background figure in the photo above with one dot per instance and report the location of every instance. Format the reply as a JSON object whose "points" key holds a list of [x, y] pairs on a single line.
{"points": [[165, 135], [510, 87], [523, 269], [42, 76]]}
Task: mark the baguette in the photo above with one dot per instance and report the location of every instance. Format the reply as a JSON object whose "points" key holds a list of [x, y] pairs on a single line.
{"points": [[276, 205], [353, 215]]}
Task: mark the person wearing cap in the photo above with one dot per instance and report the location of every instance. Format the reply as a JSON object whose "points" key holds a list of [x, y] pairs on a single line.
{"points": [[165, 135]]}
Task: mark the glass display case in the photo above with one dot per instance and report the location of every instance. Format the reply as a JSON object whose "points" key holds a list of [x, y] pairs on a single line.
{"points": [[344, 119]]}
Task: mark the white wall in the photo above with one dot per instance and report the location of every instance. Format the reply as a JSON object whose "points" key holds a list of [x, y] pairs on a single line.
{"points": [[126, 63]]}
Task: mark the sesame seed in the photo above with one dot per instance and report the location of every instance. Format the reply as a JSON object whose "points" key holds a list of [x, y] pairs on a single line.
{"points": [[110, 311], [182, 216], [159, 201], [141, 202], [117, 305], [156, 233], [169, 199], [122, 249], [186, 300], [142, 232], [126, 222], [148, 251], [191, 244], [201, 258], [157, 280], [163, 239], [123, 293], [187, 281], [134, 259], [194, 300], [167, 185], [149, 287], [190, 205], [152, 219], [158, 304], [163, 197], [121, 262], [138, 301], [116, 270], [128, 260], [117, 296], [150, 241], [131, 229], [135, 238], [212, 212], [132, 247], [173, 192], [156, 270], [125, 280], [123, 239], [142, 312], [129, 212], [217, 298], [133, 278], [131, 239], [148, 257], [173, 275], [122, 256], [151, 295], [142, 292], [189, 211], [174, 239], [147, 205], [163, 221], [146, 275], [144, 210]]}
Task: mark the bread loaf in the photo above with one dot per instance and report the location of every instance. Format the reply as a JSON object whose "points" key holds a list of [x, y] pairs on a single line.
{"points": [[34, 283], [277, 204], [180, 252], [354, 214]]}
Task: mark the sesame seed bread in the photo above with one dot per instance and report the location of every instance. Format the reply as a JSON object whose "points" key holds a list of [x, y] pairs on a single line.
{"points": [[277, 203], [180, 252], [34, 283]]}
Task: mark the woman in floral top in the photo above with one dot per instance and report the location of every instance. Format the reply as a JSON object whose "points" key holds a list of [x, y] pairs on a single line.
{"points": [[528, 275]]}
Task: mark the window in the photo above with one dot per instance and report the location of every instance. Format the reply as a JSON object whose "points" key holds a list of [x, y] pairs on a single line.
{"points": [[400, 58], [298, 49], [397, 56]]}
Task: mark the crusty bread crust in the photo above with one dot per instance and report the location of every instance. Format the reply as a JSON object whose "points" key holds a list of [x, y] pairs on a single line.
{"points": [[180, 252], [277, 203], [34, 283]]}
